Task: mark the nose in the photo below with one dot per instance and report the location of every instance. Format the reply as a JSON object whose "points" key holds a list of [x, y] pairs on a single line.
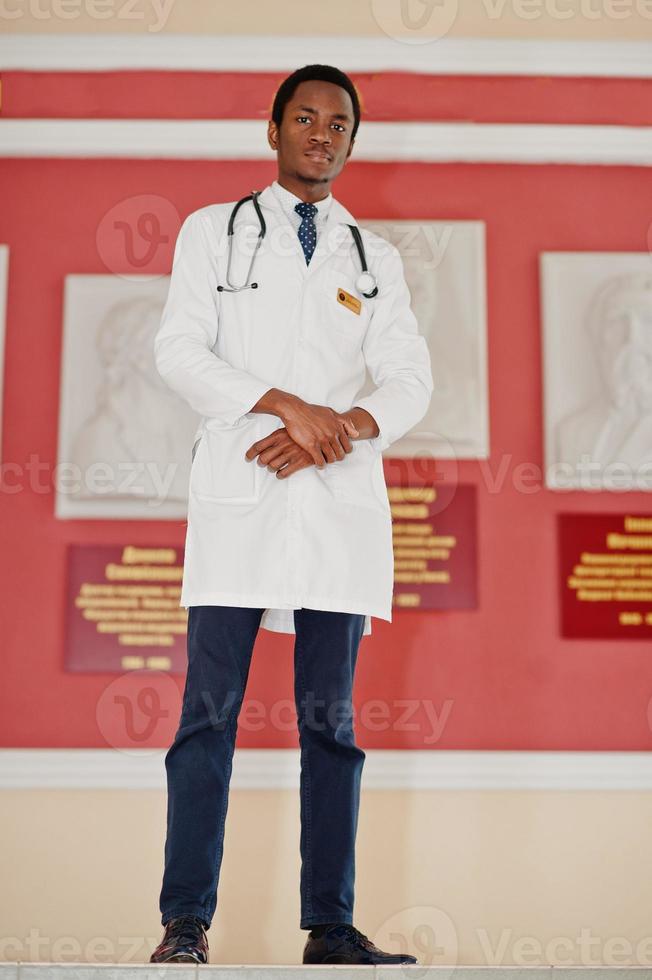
{"points": [[321, 134]]}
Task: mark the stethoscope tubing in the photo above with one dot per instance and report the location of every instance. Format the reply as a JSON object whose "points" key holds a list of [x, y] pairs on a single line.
{"points": [[253, 197], [230, 288]]}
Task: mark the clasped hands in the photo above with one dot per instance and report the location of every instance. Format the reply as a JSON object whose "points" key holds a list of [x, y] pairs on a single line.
{"points": [[313, 435]]}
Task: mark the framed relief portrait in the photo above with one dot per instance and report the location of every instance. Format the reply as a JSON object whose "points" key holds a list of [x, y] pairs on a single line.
{"points": [[597, 366], [125, 437]]}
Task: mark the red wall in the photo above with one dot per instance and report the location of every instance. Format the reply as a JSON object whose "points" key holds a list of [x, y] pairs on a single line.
{"points": [[501, 675]]}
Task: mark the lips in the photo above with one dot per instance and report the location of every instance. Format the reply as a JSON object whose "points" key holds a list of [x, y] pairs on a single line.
{"points": [[318, 155]]}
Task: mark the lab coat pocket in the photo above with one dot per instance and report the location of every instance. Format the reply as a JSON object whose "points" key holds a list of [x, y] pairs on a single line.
{"points": [[346, 311], [219, 472], [359, 478]]}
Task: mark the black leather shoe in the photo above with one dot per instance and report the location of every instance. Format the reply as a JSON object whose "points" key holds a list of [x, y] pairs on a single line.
{"points": [[343, 943], [184, 941]]}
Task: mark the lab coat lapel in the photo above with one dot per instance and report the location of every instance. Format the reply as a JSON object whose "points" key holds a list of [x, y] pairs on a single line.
{"points": [[333, 236], [279, 244], [281, 235]]}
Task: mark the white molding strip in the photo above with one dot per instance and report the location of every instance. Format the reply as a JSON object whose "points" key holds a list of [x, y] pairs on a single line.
{"points": [[396, 142], [445, 56], [135, 769]]}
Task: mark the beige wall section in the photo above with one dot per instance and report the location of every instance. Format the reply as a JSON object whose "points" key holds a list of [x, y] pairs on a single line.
{"points": [[539, 19], [481, 869]]}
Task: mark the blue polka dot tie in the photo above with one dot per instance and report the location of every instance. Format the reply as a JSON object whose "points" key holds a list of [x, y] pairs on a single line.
{"points": [[307, 229]]}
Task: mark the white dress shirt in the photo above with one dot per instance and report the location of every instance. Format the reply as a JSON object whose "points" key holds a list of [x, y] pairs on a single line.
{"points": [[287, 200]]}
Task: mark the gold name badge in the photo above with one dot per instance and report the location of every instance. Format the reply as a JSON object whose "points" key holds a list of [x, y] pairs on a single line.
{"points": [[349, 301]]}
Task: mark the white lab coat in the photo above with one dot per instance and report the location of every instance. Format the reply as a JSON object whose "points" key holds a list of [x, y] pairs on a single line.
{"points": [[320, 538]]}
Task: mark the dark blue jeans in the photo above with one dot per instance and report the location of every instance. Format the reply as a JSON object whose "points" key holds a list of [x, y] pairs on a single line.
{"points": [[199, 761]]}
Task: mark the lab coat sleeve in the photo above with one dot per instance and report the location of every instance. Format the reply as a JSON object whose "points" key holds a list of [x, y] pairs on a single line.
{"points": [[183, 343], [397, 357]]}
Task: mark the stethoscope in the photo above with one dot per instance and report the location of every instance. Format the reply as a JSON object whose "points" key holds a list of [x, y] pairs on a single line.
{"points": [[365, 283]]}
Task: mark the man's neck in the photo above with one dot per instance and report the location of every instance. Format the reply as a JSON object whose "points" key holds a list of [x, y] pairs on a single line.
{"points": [[309, 192]]}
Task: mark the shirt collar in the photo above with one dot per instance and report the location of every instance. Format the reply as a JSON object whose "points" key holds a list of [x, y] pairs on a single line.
{"points": [[287, 200]]}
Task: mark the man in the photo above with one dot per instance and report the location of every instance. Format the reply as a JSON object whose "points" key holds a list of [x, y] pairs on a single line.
{"points": [[289, 525]]}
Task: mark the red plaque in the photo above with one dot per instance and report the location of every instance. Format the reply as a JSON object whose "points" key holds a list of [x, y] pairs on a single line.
{"points": [[606, 576], [435, 550], [123, 609]]}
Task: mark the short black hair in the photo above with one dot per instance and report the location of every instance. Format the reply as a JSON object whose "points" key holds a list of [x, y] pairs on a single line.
{"points": [[310, 73]]}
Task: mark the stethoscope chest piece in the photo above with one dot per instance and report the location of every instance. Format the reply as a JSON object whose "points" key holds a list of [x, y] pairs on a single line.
{"points": [[366, 284]]}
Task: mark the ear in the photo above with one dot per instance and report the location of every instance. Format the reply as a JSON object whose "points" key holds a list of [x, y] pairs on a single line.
{"points": [[272, 134], [348, 154]]}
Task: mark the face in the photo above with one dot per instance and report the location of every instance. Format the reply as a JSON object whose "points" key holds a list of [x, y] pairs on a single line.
{"points": [[313, 141], [626, 345]]}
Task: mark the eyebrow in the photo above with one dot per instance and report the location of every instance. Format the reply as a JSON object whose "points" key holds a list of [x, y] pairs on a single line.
{"points": [[337, 115]]}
